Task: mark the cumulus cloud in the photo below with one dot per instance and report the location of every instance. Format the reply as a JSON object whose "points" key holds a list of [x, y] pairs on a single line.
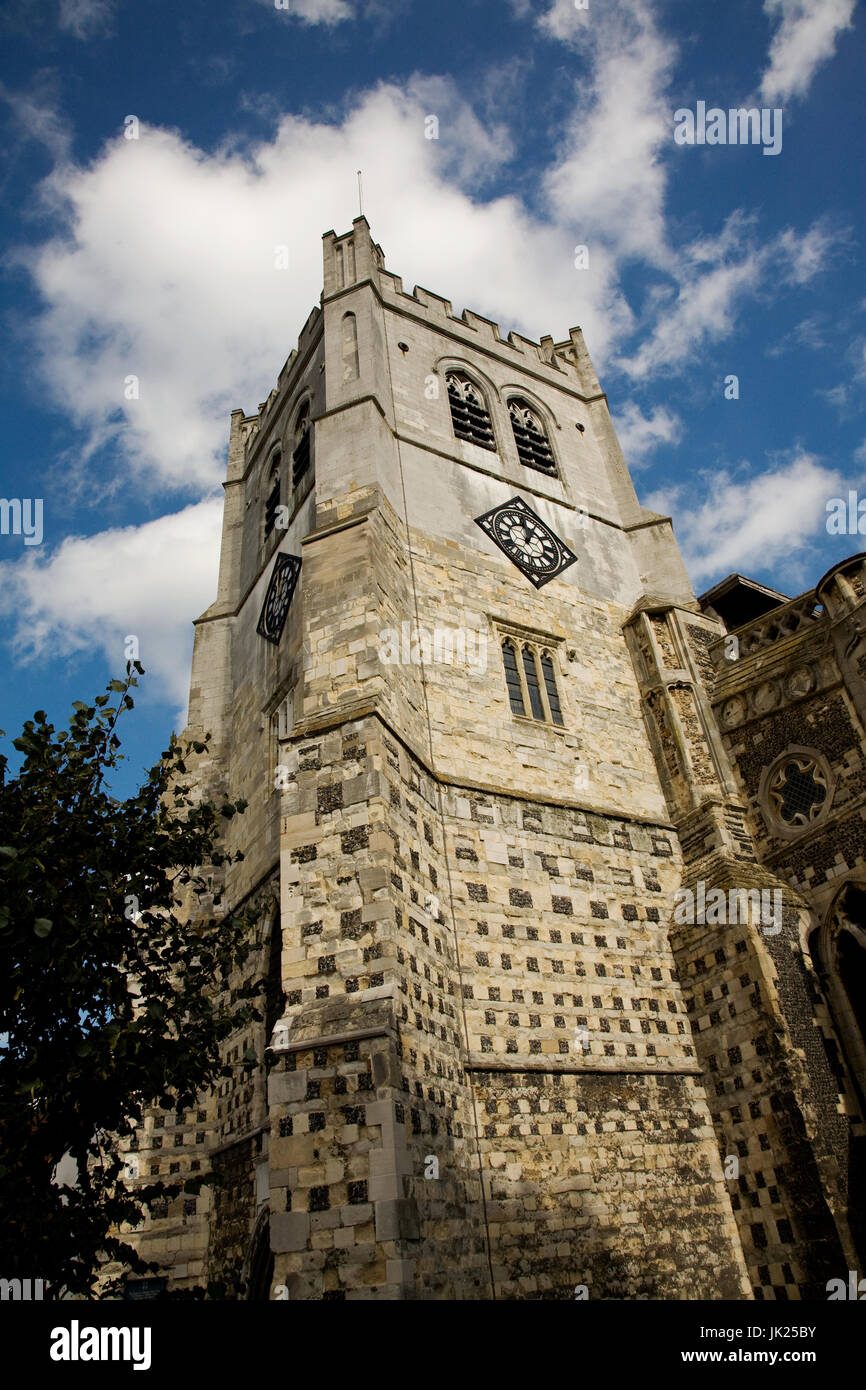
{"points": [[749, 523], [166, 269], [803, 41], [609, 182], [93, 591], [166, 266], [87, 19], [609, 179], [718, 277], [640, 435]]}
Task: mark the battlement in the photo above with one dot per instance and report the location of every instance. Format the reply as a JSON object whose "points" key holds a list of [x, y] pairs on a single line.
{"points": [[251, 425], [353, 257], [569, 357]]}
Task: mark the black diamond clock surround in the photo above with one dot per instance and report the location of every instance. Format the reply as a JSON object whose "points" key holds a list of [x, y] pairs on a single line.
{"points": [[528, 541], [281, 587]]}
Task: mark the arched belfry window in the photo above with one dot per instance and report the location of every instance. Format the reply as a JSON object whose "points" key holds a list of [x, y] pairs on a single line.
{"points": [[351, 365], [273, 499], [530, 436], [469, 414], [301, 444]]}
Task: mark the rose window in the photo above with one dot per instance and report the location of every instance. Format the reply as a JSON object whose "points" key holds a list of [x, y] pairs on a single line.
{"points": [[798, 791]]}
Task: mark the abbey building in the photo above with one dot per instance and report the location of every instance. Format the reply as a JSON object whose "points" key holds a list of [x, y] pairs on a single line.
{"points": [[493, 747]]}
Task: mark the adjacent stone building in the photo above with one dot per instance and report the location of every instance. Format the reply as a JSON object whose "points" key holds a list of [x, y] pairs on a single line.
{"points": [[561, 885]]}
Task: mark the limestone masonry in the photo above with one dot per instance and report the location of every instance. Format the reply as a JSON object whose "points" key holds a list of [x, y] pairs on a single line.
{"points": [[514, 797]]}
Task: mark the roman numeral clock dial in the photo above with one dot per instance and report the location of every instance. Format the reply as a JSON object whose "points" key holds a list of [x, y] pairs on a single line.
{"points": [[527, 541], [281, 587]]}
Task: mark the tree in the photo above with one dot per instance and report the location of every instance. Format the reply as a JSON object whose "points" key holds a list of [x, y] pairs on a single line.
{"points": [[115, 982]]}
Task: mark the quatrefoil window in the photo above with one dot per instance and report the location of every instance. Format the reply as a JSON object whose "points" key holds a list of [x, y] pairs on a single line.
{"points": [[798, 791]]}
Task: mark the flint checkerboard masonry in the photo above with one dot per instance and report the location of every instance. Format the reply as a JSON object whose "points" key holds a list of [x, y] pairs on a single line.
{"points": [[466, 873]]}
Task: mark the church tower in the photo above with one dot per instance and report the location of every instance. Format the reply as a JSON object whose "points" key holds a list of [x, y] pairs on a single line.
{"points": [[462, 680]]}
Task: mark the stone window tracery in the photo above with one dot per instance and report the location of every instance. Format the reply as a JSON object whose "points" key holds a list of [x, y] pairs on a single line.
{"points": [[530, 679], [469, 414], [301, 445], [530, 436], [273, 500], [798, 791]]}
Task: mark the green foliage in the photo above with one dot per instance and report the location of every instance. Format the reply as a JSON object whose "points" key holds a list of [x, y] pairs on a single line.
{"points": [[114, 983]]}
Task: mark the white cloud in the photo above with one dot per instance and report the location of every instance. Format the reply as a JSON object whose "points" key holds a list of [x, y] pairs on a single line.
{"points": [[809, 333], [328, 12], [565, 22], [640, 435], [609, 180], [806, 254], [717, 277], [166, 269], [804, 40], [85, 19], [748, 524], [37, 118], [149, 581]]}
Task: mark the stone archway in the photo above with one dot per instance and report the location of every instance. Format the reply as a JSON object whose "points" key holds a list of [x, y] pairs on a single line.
{"points": [[838, 949]]}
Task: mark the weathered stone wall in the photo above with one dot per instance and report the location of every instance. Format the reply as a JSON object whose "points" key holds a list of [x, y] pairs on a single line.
{"points": [[501, 1066], [610, 1181], [369, 957]]}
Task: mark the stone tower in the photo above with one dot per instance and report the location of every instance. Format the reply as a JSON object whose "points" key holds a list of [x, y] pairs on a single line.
{"points": [[461, 677]]}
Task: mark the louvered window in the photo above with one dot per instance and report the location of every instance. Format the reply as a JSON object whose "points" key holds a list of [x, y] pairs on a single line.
{"points": [[301, 451], [530, 436], [273, 501], [469, 414]]}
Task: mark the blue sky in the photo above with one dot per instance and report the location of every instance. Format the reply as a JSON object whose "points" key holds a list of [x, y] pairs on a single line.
{"points": [[154, 258]]}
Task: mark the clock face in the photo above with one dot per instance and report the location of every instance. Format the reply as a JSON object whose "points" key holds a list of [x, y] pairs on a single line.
{"points": [[284, 577], [527, 541]]}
